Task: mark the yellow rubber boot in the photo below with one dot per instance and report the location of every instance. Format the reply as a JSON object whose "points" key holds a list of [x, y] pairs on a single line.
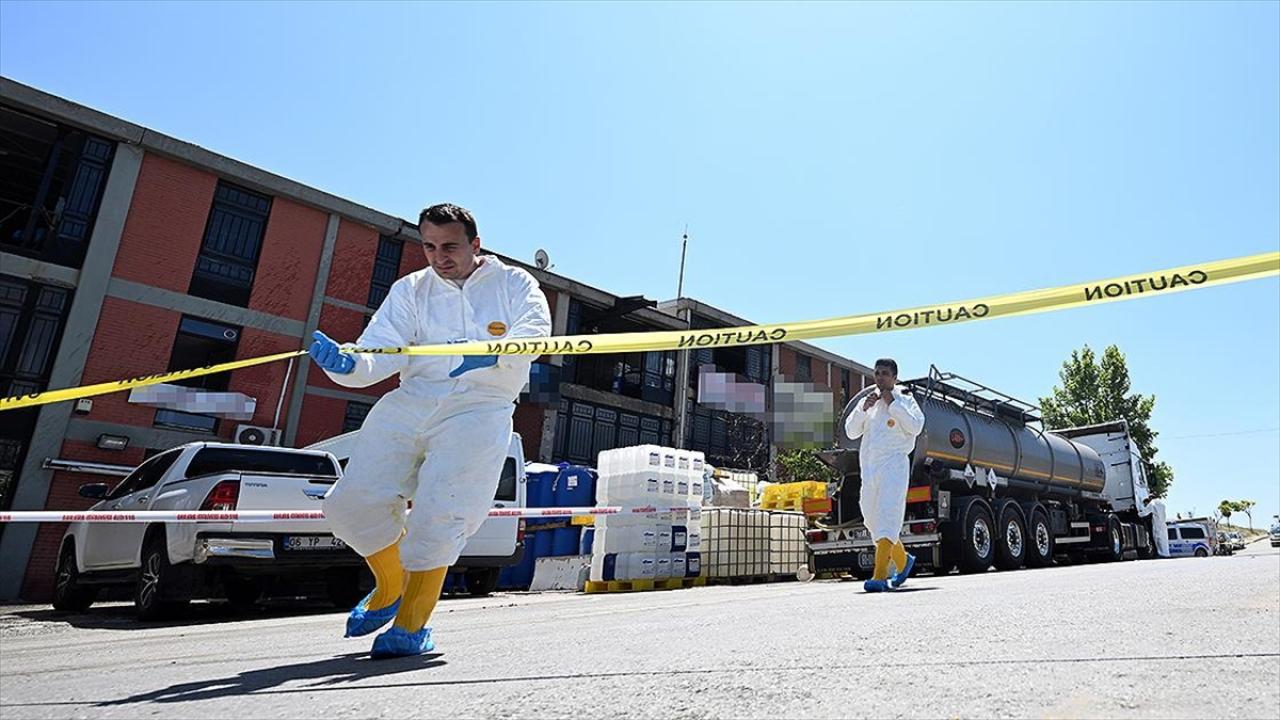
{"points": [[421, 593], [388, 573], [884, 549], [899, 556]]}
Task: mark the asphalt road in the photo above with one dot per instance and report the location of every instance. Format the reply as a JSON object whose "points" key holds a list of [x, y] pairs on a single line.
{"points": [[1157, 639]]}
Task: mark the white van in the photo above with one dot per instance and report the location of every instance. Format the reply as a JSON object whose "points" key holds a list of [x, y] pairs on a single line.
{"points": [[500, 540], [1189, 540]]}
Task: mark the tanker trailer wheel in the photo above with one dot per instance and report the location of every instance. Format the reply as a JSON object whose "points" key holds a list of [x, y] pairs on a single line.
{"points": [[1039, 541], [976, 540], [1147, 550], [1011, 538], [1115, 540]]}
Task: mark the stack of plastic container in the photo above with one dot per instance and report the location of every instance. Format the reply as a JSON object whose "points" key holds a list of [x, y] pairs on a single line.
{"points": [[658, 534], [562, 485]]}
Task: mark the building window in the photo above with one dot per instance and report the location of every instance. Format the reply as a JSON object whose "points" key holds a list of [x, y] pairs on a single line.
{"points": [[32, 317], [845, 387], [728, 439], [804, 368], [31, 321], [199, 343], [753, 362], [386, 268], [584, 430], [356, 413], [51, 183], [232, 243], [645, 376]]}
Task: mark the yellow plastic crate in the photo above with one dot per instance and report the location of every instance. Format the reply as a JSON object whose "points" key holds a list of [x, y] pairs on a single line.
{"points": [[791, 496]]}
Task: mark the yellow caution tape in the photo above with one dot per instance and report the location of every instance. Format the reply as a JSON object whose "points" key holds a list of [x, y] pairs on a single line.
{"points": [[53, 396], [1129, 287]]}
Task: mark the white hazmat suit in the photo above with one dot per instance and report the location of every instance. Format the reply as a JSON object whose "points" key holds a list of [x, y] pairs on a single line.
{"points": [[888, 435], [461, 426], [1159, 527]]}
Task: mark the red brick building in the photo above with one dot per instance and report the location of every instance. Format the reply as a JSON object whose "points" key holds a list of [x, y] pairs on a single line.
{"points": [[126, 252]]}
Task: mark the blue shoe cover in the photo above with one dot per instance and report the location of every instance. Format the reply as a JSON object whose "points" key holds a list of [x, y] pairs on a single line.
{"points": [[363, 621], [901, 577], [875, 585], [401, 643]]}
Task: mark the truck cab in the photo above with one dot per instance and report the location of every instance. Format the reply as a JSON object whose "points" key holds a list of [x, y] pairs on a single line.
{"points": [[500, 540]]}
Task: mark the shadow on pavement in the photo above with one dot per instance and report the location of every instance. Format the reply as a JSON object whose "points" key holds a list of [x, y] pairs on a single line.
{"points": [[121, 617], [330, 671]]}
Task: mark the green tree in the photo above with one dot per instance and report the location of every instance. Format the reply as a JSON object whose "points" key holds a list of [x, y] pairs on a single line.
{"points": [[1099, 391], [803, 464], [1226, 507], [1246, 507]]}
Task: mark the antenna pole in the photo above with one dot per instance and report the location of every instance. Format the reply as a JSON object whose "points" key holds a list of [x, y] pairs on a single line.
{"points": [[684, 246]]}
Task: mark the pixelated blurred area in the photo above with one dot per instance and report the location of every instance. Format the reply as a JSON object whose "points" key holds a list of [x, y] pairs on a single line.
{"points": [[724, 391], [802, 416], [231, 405], [544, 384]]}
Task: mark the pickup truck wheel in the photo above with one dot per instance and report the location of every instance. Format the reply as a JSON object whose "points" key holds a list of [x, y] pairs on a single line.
{"points": [[1040, 541], [68, 594], [482, 581], [161, 589]]}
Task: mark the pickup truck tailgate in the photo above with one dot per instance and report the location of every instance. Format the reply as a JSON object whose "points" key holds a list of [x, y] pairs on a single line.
{"points": [[287, 493]]}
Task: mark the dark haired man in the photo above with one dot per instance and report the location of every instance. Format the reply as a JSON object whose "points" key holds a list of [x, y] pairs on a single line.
{"points": [[888, 421], [453, 411]]}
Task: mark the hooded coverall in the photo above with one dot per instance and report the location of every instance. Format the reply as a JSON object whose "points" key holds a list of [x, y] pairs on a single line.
{"points": [[435, 440], [888, 435]]}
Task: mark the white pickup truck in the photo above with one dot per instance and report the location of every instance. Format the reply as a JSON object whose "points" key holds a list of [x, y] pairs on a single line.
{"points": [[168, 564]]}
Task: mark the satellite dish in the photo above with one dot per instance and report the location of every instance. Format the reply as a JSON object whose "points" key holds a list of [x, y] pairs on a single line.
{"points": [[541, 259]]}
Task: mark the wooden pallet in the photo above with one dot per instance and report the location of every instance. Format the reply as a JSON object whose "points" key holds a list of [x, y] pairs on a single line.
{"points": [[616, 586]]}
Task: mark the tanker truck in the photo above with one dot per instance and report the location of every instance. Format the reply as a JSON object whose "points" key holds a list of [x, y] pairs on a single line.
{"points": [[990, 487]]}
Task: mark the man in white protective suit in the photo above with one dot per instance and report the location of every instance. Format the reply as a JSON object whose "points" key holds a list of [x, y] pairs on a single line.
{"points": [[439, 439], [888, 421], [1159, 529]]}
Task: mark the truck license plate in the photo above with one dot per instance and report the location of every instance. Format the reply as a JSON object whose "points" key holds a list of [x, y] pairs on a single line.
{"points": [[866, 560], [313, 542]]}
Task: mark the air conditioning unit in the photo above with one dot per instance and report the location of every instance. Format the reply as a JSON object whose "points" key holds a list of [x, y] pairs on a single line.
{"points": [[255, 435]]}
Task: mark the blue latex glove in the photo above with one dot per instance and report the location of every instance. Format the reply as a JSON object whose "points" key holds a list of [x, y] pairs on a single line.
{"points": [[472, 362], [327, 355]]}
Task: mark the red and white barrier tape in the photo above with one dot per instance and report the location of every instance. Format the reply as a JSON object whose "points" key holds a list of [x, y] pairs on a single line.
{"points": [[253, 516]]}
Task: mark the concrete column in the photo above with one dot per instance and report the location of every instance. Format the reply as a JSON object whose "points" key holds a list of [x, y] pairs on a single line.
{"points": [[68, 368], [559, 326], [682, 382], [775, 355], [313, 322]]}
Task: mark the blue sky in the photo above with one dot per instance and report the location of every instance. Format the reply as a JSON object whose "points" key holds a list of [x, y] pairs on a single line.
{"points": [[828, 159]]}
